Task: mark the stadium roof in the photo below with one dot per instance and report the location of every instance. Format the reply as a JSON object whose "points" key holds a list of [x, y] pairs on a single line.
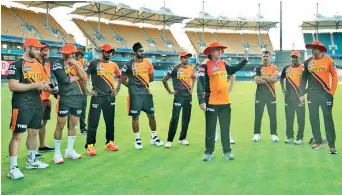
{"points": [[222, 22], [111, 11], [47, 4], [323, 22]]}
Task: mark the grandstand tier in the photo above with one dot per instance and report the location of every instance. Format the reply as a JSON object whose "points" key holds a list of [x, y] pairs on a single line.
{"points": [[329, 40], [233, 41], [24, 23], [129, 35]]}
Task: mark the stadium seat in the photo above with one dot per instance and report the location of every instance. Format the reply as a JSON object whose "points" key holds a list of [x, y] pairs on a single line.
{"points": [[233, 41], [325, 38], [10, 25], [130, 34]]}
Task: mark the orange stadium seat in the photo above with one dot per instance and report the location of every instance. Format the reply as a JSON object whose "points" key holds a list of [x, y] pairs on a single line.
{"points": [[131, 34], [53, 23], [11, 24], [33, 19], [233, 41]]}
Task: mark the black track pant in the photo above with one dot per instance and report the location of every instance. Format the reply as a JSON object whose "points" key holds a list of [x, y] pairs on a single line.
{"points": [[222, 112], [180, 102], [272, 113], [106, 104], [292, 107], [325, 101]]}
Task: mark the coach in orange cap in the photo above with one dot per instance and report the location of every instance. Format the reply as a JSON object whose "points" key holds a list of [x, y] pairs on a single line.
{"points": [[320, 74], [102, 73], [290, 80], [213, 97], [26, 81], [183, 79], [68, 73]]}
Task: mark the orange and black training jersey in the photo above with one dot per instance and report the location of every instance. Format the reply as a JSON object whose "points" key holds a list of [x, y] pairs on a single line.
{"points": [[102, 76], [182, 78], [26, 72], [138, 74], [293, 76], [47, 74], [63, 73], [320, 75], [265, 90], [212, 85]]}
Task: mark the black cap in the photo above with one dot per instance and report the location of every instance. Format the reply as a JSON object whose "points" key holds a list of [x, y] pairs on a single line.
{"points": [[137, 46]]}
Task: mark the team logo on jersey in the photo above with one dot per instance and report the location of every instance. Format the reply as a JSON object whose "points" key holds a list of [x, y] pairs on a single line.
{"points": [[26, 68], [179, 72], [262, 70], [99, 68], [288, 70], [214, 68], [310, 65], [135, 68]]}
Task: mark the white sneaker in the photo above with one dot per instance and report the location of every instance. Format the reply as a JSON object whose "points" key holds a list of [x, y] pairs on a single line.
{"points": [[184, 142], [138, 144], [298, 142], [231, 140], [72, 154], [156, 141], [36, 164], [57, 158], [216, 136], [15, 173], [168, 144], [288, 140], [274, 138], [256, 137]]}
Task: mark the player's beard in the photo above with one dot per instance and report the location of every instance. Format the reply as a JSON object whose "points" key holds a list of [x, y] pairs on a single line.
{"points": [[107, 58], [140, 56], [31, 54]]}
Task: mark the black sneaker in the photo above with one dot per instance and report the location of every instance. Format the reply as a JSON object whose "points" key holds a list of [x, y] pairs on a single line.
{"points": [[39, 156], [46, 149], [83, 131]]}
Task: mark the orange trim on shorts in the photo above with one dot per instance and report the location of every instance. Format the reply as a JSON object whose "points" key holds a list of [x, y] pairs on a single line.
{"points": [[57, 104], [15, 113], [79, 87]]}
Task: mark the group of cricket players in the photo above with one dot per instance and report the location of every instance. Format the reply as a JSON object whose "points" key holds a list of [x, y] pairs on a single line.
{"points": [[32, 79]]}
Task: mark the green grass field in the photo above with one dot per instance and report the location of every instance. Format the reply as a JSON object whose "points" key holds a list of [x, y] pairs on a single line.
{"points": [[259, 168]]}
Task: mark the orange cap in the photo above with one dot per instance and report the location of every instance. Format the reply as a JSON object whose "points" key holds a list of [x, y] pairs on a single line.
{"points": [[68, 49], [33, 42], [295, 53], [213, 45], [317, 44], [184, 53], [106, 47]]}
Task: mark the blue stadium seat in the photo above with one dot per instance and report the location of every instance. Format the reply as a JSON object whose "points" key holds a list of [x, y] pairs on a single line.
{"points": [[325, 39], [338, 42]]}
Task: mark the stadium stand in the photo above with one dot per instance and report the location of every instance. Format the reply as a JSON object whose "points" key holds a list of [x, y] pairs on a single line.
{"points": [[23, 23], [234, 41], [13, 26], [328, 39], [18, 24], [129, 34]]}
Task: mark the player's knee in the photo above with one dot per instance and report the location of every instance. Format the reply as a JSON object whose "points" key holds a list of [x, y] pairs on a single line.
{"points": [[151, 117], [135, 119], [16, 136], [32, 132]]}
